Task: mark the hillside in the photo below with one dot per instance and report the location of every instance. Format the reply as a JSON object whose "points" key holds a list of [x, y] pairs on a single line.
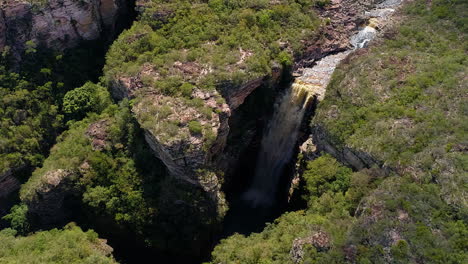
{"points": [[233, 131], [402, 102]]}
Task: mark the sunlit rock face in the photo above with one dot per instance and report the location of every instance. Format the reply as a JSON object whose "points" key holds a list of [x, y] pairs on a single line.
{"points": [[56, 24]]}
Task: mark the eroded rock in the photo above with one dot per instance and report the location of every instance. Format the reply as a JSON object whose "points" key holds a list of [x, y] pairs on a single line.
{"points": [[47, 205], [56, 24], [320, 240]]}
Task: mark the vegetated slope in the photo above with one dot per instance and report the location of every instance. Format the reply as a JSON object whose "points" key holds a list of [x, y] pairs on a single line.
{"points": [[178, 52], [70, 245], [94, 158], [31, 97], [403, 101], [189, 64], [102, 174], [47, 48]]}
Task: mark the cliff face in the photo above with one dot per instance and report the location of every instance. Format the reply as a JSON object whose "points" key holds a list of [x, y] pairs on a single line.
{"points": [[191, 156], [56, 24], [200, 157], [47, 207]]}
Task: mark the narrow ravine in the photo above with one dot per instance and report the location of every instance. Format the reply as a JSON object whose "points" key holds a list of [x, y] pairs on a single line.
{"points": [[277, 147], [259, 202]]}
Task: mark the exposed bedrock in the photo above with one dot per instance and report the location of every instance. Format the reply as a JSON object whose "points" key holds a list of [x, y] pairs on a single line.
{"points": [[56, 24], [51, 203], [193, 158], [205, 159]]}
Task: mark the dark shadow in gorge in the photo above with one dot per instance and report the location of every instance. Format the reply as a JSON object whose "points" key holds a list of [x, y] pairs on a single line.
{"points": [[247, 125], [254, 115]]}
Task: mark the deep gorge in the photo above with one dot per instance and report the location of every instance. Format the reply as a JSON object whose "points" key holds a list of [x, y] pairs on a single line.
{"points": [[265, 134], [209, 121]]}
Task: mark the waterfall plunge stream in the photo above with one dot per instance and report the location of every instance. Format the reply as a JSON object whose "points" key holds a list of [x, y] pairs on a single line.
{"points": [[277, 145], [280, 137]]}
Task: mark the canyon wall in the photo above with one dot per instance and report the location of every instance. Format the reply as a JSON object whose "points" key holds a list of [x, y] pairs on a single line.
{"points": [[56, 24], [192, 158]]}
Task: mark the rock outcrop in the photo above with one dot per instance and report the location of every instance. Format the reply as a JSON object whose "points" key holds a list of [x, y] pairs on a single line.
{"points": [[56, 24], [193, 156], [189, 155], [357, 160], [47, 207], [320, 240]]}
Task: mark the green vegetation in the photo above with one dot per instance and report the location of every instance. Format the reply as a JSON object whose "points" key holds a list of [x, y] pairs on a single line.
{"points": [[70, 245], [110, 170], [402, 101], [31, 100], [88, 98], [330, 211], [18, 218], [29, 121], [274, 243], [237, 40], [195, 127], [325, 174], [214, 47]]}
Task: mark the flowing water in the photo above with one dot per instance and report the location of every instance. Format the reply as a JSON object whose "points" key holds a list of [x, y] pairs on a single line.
{"points": [[280, 137], [277, 146]]}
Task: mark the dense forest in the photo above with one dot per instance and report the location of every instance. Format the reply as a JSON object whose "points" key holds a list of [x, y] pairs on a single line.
{"points": [[133, 146]]}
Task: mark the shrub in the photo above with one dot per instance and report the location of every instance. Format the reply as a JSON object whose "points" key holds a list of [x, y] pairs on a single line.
{"points": [[88, 98], [326, 174], [195, 127], [285, 59], [70, 245], [186, 89], [18, 218]]}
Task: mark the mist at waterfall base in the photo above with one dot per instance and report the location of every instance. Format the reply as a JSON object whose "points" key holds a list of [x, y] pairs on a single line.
{"points": [[258, 204]]}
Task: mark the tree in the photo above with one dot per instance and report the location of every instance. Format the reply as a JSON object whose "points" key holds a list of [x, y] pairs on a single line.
{"points": [[18, 218], [88, 98], [326, 174]]}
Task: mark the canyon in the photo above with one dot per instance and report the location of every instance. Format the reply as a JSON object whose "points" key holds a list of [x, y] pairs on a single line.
{"points": [[213, 138]]}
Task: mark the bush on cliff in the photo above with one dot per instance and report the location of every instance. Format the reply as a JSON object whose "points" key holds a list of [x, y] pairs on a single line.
{"points": [[326, 174], [88, 98]]}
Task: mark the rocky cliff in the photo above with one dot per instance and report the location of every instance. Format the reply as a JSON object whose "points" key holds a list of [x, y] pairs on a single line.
{"points": [[47, 206], [56, 24], [192, 155]]}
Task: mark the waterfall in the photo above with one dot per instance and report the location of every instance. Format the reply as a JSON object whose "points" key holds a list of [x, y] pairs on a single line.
{"points": [[280, 137], [277, 146]]}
